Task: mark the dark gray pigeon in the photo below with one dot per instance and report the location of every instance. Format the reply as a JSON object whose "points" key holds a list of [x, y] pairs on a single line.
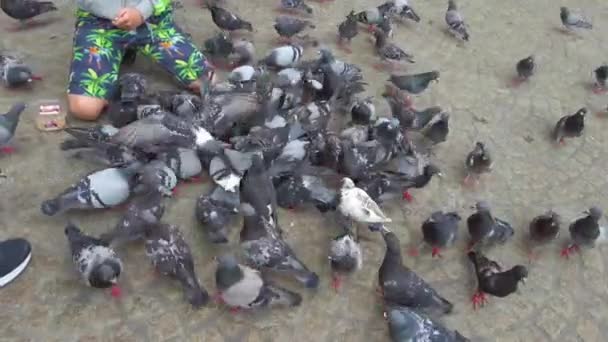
{"points": [[543, 229], [99, 190], [485, 229], [183, 161], [171, 256], [157, 176], [570, 126], [99, 266], [389, 52], [294, 6], [455, 21], [216, 211], [401, 286], [345, 256], [23, 10], [227, 169], [265, 249], [586, 232], [438, 128], [492, 280], [14, 72], [288, 27], [363, 111], [133, 87], [347, 30], [415, 83], [405, 324], [242, 287], [283, 56], [219, 47], [439, 231], [87, 136], [257, 192], [572, 20], [478, 162], [408, 12], [525, 70], [8, 126], [145, 210], [601, 76], [226, 20]]}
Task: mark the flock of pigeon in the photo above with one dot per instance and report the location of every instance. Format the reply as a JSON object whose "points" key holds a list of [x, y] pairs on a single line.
{"points": [[266, 139]]}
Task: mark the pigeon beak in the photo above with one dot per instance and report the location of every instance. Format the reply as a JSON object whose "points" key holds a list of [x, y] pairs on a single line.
{"points": [[439, 174], [523, 280]]}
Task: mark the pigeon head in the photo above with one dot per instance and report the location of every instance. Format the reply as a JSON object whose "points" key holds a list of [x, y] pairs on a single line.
{"points": [[564, 10], [431, 170], [581, 112], [132, 86], [18, 75], [479, 146], [227, 261], [520, 273], [595, 213], [482, 206], [392, 243], [105, 275], [228, 272], [326, 56], [347, 183], [452, 5]]}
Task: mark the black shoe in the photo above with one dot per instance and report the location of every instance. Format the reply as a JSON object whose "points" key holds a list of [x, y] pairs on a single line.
{"points": [[15, 254]]}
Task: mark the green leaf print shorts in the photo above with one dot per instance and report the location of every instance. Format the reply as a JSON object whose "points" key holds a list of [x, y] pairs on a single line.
{"points": [[99, 48]]}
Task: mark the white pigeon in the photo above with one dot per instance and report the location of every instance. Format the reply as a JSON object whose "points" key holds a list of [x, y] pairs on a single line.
{"points": [[355, 204]]}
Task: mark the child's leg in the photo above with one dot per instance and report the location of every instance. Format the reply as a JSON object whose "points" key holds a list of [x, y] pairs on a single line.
{"points": [[176, 53], [95, 64]]}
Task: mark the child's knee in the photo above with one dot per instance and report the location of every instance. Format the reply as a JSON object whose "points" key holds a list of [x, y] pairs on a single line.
{"points": [[85, 107]]}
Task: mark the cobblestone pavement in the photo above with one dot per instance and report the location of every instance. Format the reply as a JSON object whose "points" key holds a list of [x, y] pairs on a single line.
{"points": [[562, 300]]}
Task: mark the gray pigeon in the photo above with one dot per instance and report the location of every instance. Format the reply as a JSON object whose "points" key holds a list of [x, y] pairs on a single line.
{"points": [[145, 210], [8, 125], [572, 20], [227, 169], [415, 83], [216, 211], [99, 266], [157, 176], [99, 190], [363, 111], [294, 5], [401, 286], [183, 161], [24, 10], [455, 21], [242, 287], [439, 231], [438, 128], [258, 195], [288, 27], [265, 249], [14, 72], [485, 229], [347, 30], [478, 161], [586, 232], [226, 20], [345, 256], [525, 69], [543, 229], [283, 56], [171, 256], [601, 78], [406, 324], [389, 52], [570, 126]]}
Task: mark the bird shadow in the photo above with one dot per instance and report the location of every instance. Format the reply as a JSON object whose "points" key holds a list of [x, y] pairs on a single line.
{"points": [[33, 24]]}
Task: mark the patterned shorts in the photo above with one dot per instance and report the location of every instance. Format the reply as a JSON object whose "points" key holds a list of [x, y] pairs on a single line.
{"points": [[99, 48]]}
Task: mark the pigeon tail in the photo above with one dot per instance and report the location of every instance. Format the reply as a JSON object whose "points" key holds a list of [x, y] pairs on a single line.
{"points": [[446, 306], [282, 296], [72, 231], [196, 295], [51, 207], [309, 279]]}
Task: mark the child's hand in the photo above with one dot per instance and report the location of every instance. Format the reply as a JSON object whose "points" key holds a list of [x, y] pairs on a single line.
{"points": [[128, 18]]}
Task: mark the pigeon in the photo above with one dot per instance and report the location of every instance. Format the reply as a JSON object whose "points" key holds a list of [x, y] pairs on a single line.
{"points": [[288, 27], [132, 87], [601, 75], [543, 229], [24, 10], [295, 5], [408, 12], [356, 205], [257, 192], [15, 73], [265, 249], [244, 74], [374, 16], [405, 324], [455, 21], [8, 125], [171, 256], [215, 214], [492, 280], [438, 128], [183, 161], [99, 190], [586, 232], [242, 287], [439, 231], [485, 229], [363, 111], [109, 155], [244, 52], [570, 126], [525, 70], [145, 210], [99, 266], [347, 30], [157, 176], [228, 21], [227, 169], [184, 105], [389, 52], [415, 83], [401, 286], [478, 161], [87, 136], [572, 20], [410, 118], [218, 48], [283, 56], [345, 256]]}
